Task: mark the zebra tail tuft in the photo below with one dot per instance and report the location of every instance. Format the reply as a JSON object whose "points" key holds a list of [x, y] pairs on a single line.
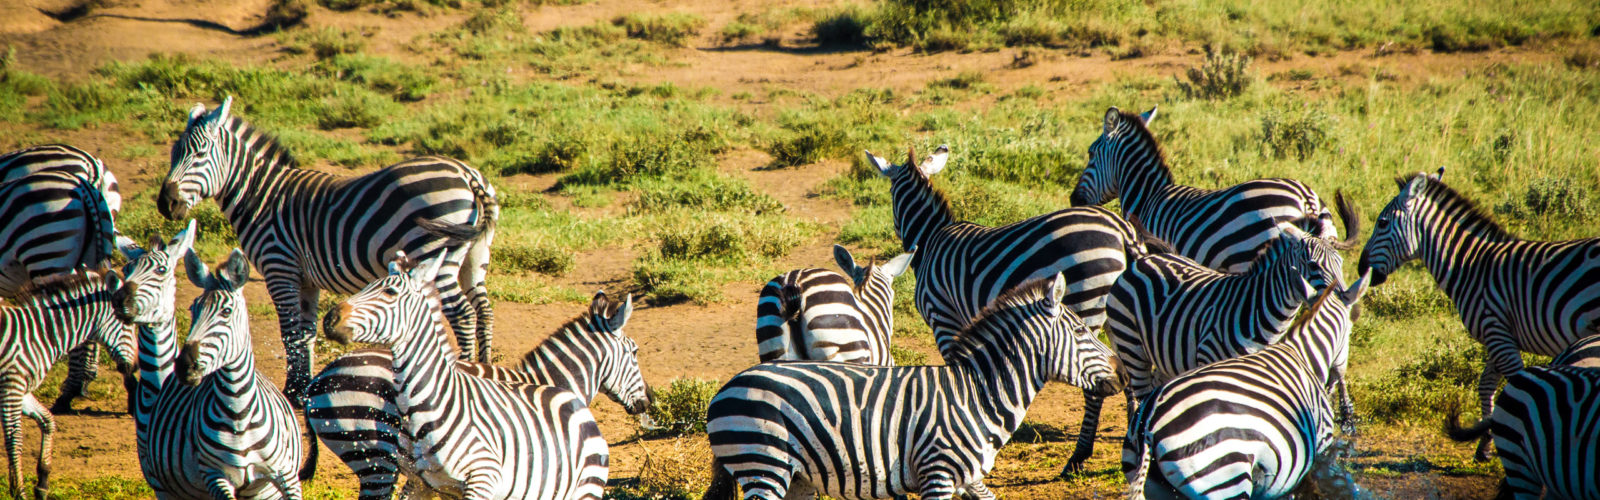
{"points": [[458, 234], [722, 485], [1352, 222], [309, 470], [1452, 425]]}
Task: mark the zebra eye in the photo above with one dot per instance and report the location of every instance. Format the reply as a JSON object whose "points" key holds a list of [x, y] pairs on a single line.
{"points": [[227, 311], [161, 269], [1382, 221], [391, 292]]}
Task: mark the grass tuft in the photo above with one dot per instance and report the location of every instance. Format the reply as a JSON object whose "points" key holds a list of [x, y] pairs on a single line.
{"points": [[1223, 75], [674, 29], [680, 407]]}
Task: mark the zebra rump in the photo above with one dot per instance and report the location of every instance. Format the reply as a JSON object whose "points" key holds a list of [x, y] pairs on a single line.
{"points": [[1546, 429], [819, 315]]}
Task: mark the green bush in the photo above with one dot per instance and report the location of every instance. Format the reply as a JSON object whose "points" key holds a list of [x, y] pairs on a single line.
{"points": [[542, 259], [362, 110], [1301, 134], [808, 143], [403, 82], [652, 155], [1559, 197], [680, 407], [847, 25], [907, 357], [1403, 301], [325, 42], [708, 193], [673, 28], [1443, 374], [966, 80], [1223, 75]]}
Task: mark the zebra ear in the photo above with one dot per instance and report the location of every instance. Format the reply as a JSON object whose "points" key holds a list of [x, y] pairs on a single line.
{"points": [[235, 271], [183, 241], [624, 311], [1058, 291], [935, 161], [1350, 296], [1113, 120], [398, 264], [221, 113], [882, 164], [199, 274], [128, 248], [1415, 186], [847, 262], [196, 112], [425, 272], [1438, 176], [897, 266], [1147, 116]]}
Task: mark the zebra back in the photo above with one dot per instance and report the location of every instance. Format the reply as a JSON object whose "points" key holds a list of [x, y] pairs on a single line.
{"points": [[1545, 430], [56, 313], [1585, 353], [54, 222], [818, 315], [65, 158]]}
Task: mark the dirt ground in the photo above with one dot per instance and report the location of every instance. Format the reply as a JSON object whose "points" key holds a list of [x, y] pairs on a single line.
{"points": [[709, 341]]}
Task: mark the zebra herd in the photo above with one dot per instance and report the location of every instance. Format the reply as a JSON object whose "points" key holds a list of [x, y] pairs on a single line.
{"points": [[1227, 316]]}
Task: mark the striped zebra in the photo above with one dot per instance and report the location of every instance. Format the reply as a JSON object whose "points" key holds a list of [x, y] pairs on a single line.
{"points": [[1223, 229], [51, 316], [1546, 430], [217, 427], [1585, 353], [1512, 294], [471, 437], [148, 299], [846, 430], [52, 220], [1168, 314], [308, 231], [818, 315], [962, 267], [351, 404], [1254, 426], [65, 158]]}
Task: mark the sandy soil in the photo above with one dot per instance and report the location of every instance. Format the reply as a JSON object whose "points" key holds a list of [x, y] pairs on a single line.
{"points": [[709, 341]]}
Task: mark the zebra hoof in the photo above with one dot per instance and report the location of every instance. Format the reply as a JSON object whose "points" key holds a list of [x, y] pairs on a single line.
{"points": [[62, 406], [1072, 470], [1482, 456]]}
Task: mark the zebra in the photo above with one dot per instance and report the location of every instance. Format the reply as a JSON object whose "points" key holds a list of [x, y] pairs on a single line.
{"points": [[818, 315], [308, 231], [1512, 294], [351, 404], [847, 430], [68, 159], [1544, 426], [961, 266], [52, 315], [54, 220], [1223, 229], [471, 437], [148, 299], [217, 427], [1253, 426], [1585, 353]]}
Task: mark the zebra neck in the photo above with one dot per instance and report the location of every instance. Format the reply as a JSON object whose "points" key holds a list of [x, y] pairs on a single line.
{"points": [[158, 345], [559, 362], [245, 198], [234, 383], [1005, 380], [1447, 246], [1142, 183], [425, 358], [919, 209], [1281, 292]]}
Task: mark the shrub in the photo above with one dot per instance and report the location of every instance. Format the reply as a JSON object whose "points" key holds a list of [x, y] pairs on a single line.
{"points": [[403, 82], [326, 42], [680, 407], [907, 357], [675, 471], [672, 281], [1560, 197], [1400, 301], [966, 80], [809, 143], [361, 109], [847, 26], [1441, 375], [674, 28], [710, 193], [739, 32], [1585, 58], [1224, 74], [542, 259], [1282, 134], [500, 20]]}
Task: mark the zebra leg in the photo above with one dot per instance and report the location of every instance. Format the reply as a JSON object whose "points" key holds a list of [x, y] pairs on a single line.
{"points": [[296, 303], [976, 490], [1504, 359], [219, 487], [936, 485], [47, 430], [474, 271], [1487, 383], [457, 307], [1347, 408], [11, 403], [82, 368], [1086, 434]]}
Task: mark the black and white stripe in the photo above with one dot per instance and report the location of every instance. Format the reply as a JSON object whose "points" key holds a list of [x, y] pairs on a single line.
{"points": [[1585, 353], [847, 430], [52, 316], [307, 231], [148, 299], [1546, 430], [64, 158], [53, 219], [471, 437], [1248, 427], [818, 315], [1513, 295], [1223, 229], [218, 428], [351, 404]]}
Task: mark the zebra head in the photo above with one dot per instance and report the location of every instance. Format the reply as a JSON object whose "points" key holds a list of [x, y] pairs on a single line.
{"points": [[219, 328], [1032, 313], [1120, 136], [147, 296], [393, 308], [619, 373], [909, 188], [876, 276], [198, 168], [1305, 263], [1395, 236]]}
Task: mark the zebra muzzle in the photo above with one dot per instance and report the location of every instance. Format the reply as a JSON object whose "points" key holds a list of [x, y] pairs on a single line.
{"points": [[333, 323], [122, 302], [171, 203], [183, 367]]}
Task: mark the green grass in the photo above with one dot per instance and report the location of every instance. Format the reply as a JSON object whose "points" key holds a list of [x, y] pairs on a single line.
{"points": [[680, 407]]}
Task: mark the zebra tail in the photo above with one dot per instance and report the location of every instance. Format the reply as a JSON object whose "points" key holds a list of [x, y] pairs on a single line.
{"points": [[102, 242], [722, 484], [1452, 425], [1141, 473], [458, 234], [309, 469], [1352, 221]]}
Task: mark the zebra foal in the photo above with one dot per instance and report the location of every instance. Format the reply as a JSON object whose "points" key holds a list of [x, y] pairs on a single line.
{"points": [[1223, 229], [818, 315], [1546, 428], [847, 430], [308, 231], [53, 315], [217, 428], [1254, 426], [471, 437], [1512, 295], [148, 299], [351, 405]]}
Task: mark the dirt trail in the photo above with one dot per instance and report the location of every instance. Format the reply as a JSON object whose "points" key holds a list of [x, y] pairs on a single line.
{"points": [[685, 340]]}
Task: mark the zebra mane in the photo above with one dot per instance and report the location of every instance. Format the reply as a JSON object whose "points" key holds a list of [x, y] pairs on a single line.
{"points": [[1025, 293], [1143, 132], [57, 283], [266, 146], [1309, 312], [1472, 217], [584, 318]]}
